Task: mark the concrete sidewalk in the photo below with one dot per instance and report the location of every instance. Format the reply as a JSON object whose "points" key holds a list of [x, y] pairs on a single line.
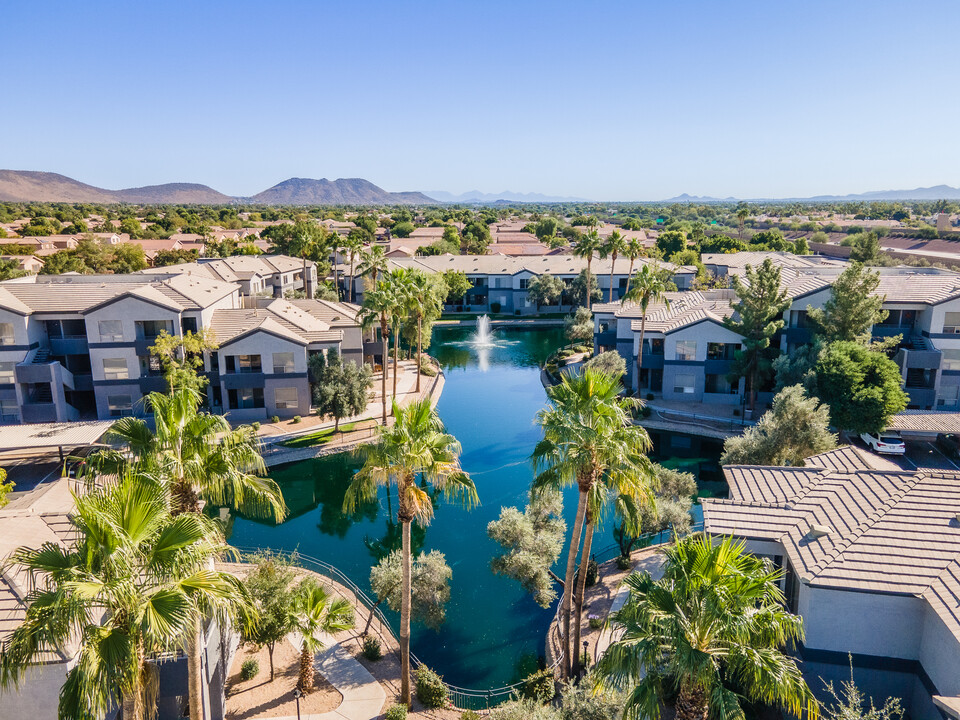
{"points": [[653, 564], [363, 697]]}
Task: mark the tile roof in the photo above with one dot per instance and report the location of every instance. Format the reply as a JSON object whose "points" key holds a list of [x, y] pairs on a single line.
{"points": [[300, 322], [510, 265], [72, 293], [689, 309], [926, 421], [889, 531]]}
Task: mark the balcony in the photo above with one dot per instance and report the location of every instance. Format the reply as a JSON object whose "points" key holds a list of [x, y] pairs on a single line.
{"points": [[70, 345], [797, 335], [923, 398], [608, 338], [235, 381]]}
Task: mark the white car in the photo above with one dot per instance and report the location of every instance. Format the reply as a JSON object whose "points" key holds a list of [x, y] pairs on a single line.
{"points": [[887, 442]]}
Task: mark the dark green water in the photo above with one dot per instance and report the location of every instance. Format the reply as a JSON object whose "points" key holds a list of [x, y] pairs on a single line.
{"points": [[494, 631]]}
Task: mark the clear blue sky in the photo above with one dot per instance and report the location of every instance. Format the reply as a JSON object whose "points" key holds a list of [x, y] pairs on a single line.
{"points": [[603, 100]]}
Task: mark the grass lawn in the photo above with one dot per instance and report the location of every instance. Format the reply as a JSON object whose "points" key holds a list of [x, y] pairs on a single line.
{"points": [[321, 437]]}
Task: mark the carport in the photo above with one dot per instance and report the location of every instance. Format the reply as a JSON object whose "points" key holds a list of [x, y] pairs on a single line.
{"points": [[925, 424], [46, 436]]}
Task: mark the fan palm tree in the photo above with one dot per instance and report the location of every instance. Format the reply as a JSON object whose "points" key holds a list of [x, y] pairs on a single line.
{"points": [[588, 246], [613, 247], [716, 617], [378, 304], [196, 455], [423, 301], [742, 214], [589, 439], [649, 287], [372, 263], [415, 446], [353, 245], [634, 249], [399, 282], [131, 586], [316, 613]]}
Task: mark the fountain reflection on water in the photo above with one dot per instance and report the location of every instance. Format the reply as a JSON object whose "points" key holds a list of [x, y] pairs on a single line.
{"points": [[484, 341]]}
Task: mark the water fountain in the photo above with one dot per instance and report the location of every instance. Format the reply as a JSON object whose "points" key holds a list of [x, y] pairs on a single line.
{"points": [[483, 337]]}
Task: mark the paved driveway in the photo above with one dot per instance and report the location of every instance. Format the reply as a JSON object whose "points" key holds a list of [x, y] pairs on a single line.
{"points": [[920, 454]]}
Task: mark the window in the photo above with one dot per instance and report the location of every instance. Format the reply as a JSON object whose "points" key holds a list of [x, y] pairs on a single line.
{"points": [[74, 328], [951, 322], [77, 364], [686, 350], [111, 331], [524, 283], [6, 334], [189, 324], [685, 384], [215, 362], [282, 363], [286, 398], [951, 360], [248, 364], [719, 384], [115, 369], [720, 351], [119, 405], [9, 411], [6, 372], [245, 398], [920, 378], [948, 397], [152, 328], [800, 319], [150, 366], [656, 346], [54, 329]]}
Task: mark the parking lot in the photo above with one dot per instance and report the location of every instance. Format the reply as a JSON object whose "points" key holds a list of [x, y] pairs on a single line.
{"points": [[920, 454]]}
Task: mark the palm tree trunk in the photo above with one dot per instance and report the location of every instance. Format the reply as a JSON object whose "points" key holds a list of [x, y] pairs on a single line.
{"points": [[419, 347], [643, 328], [351, 278], [405, 617], [589, 294], [613, 261], [581, 589], [384, 355], [568, 588], [396, 348], [629, 276], [131, 707], [305, 676], [304, 255], [194, 684], [691, 702]]}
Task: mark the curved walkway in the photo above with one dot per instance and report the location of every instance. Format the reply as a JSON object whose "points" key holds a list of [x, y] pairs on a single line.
{"points": [[363, 698]]}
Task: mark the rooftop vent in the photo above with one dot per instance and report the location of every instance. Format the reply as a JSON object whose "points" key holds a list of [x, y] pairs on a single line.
{"points": [[818, 531]]}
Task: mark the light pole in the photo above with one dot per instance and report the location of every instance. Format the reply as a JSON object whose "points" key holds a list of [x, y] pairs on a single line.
{"points": [[297, 693]]}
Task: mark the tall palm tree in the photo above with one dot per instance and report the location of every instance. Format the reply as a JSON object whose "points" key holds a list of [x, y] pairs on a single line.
{"points": [[587, 247], [316, 613], [131, 586], [423, 301], [742, 214], [649, 287], [589, 439], [716, 617], [372, 263], [353, 244], [196, 455], [633, 250], [302, 245], [416, 446], [399, 281], [612, 248], [378, 304]]}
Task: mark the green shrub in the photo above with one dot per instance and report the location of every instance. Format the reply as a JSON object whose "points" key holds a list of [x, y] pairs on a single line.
{"points": [[623, 562], [645, 411], [469, 715], [396, 712], [649, 396], [275, 419], [430, 688], [494, 307], [249, 669], [255, 426], [371, 648], [595, 621], [296, 419], [539, 686]]}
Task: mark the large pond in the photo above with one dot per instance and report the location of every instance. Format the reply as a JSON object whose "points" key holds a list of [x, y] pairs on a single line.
{"points": [[494, 632]]}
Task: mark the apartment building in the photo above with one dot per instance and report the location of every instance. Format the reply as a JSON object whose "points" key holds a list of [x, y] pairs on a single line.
{"points": [[871, 560], [499, 282], [260, 275], [688, 350], [77, 346]]}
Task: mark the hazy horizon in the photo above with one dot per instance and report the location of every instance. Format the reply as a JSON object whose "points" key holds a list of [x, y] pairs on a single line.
{"points": [[617, 102]]}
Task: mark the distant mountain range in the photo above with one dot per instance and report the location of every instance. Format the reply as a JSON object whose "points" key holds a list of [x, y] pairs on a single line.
{"points": [[29, 186], [937, 192], [475, 196]]}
